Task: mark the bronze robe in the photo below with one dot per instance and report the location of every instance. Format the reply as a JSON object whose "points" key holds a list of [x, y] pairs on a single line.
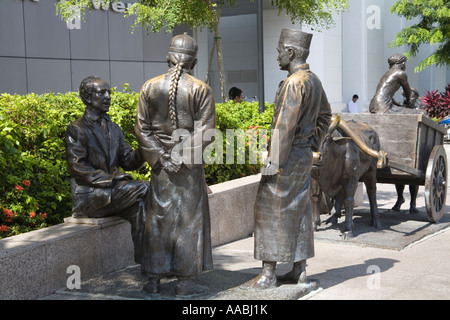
{"points": [[177, 237], [283, 213]]}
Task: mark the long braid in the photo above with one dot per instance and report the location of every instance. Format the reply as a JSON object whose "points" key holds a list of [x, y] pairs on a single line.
{"points": [[176, 74]]}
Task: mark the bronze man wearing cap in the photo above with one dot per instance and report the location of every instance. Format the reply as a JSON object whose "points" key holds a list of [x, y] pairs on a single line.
{"points": [[177, 239], [283, 214]]}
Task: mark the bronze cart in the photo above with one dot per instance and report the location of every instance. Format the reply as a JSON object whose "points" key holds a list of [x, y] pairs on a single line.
{"points": [[415, 154]]}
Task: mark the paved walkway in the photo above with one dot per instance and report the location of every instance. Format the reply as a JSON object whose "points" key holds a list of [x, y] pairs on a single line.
{"points": [[348, 271]]}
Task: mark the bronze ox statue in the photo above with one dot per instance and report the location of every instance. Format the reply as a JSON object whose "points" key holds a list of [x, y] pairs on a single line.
{"points": [[349, 153]]}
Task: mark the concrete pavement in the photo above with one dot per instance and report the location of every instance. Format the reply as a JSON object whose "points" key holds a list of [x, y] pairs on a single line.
{"points": [[349, 272]]}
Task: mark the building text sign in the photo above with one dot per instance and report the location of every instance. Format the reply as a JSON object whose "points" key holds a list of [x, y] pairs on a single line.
{"points": [[74, 21]]}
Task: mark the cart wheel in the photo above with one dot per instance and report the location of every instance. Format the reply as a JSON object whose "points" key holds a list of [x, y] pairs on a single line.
{"points": [[436, 184]]}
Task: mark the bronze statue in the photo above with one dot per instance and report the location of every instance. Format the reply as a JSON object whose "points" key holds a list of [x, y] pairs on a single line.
{"points": [[383, 100], [177, 227], [283, 213], [96, 149], [349, 154]]}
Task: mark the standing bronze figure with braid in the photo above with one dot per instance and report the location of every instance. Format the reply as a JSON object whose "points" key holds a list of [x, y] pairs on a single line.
{"points": [[177, 239]]}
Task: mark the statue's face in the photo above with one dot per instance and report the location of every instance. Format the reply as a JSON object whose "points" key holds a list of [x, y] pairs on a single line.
{"points": [[283, 57], [100, 98]]}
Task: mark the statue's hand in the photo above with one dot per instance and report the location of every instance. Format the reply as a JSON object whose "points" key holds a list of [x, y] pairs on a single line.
{"points": [[123, 176], [168, 164], [270, 170]]}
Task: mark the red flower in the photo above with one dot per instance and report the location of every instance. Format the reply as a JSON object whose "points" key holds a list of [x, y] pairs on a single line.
{"points": [[8, 215], [26, 183], [3, 228], [32, 214], [19, 188]]}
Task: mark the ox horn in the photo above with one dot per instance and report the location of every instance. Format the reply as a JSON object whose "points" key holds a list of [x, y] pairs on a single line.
{"points": [[381, 155], [335, 120]]}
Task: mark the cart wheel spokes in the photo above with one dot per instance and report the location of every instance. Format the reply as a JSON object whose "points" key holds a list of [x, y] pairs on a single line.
{"points": [[436, 184]]}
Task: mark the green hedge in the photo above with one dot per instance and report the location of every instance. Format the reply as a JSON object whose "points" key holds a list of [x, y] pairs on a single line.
{"points": [[35, 188]]}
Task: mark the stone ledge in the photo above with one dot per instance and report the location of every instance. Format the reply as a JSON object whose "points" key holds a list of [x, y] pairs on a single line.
{"points": [[103, 222], [35, 263]]}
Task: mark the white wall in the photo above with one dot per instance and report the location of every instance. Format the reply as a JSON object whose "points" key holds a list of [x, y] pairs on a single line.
{"points": [[363, 49], [325, 60], [272, 25], [325, 57]]}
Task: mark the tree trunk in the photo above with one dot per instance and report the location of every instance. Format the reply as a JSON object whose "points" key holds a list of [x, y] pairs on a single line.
{"points": [[218, 41], [210, 61]]}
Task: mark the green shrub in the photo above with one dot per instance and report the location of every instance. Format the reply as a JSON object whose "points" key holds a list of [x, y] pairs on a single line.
{"points": [[35, 184], [242, 116], [33, 169]]}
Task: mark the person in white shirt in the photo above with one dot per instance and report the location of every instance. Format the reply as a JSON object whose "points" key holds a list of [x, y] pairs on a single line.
{"points": [[353, 106]]}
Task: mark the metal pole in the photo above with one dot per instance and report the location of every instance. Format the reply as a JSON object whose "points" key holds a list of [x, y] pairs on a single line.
{"points": [[260, 44]]}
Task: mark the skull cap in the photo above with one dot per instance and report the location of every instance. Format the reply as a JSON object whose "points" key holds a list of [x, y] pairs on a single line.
{"points": [[295, 38], [183, 43]]}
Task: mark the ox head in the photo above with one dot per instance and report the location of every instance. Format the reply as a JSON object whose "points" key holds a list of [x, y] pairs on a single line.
{"points": [[331, 140]]}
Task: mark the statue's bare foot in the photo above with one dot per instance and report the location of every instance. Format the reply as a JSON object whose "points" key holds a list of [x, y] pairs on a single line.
{"points": [[189, 288], [261, 282]]}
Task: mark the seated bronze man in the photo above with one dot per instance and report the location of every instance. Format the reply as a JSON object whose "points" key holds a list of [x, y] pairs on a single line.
{"points": [[96, 150]]}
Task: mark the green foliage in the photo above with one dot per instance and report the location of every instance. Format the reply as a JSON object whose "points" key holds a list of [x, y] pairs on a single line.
{"points": [[251, 131], [433, 27], [32, 149], [316, 13], [164, 15], [231, 115], [156, 15], [35, 188]]}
